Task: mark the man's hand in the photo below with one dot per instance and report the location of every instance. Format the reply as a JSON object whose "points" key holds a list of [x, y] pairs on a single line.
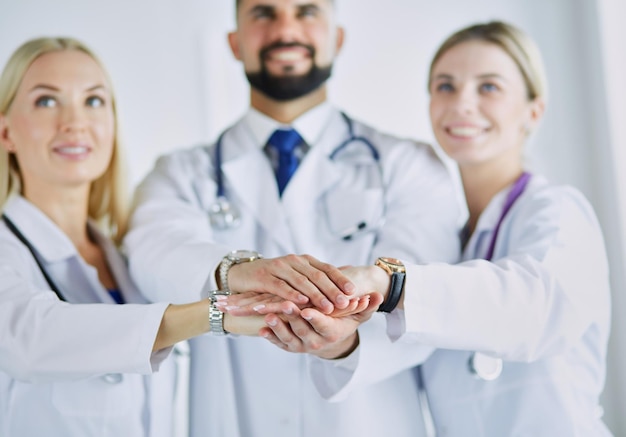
{"points": [[297, 278]]}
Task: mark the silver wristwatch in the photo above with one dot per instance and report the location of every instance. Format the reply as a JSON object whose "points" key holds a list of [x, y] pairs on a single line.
{"points": [[216, 317], [232, 258]]}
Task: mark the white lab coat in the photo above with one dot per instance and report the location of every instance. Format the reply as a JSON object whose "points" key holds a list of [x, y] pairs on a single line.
{"points": [[246, 386], [542, 305], [55, 356]]}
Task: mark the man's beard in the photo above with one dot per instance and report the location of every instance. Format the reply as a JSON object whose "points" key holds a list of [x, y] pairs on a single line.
{"points": [[284, 88]]}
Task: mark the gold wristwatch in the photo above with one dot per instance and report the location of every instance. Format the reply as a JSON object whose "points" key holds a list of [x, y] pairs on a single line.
{"points": [[395, 268]]}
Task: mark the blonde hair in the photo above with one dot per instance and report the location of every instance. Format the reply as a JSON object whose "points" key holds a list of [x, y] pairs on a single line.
{"points": [[108, 201], [514, 42]]}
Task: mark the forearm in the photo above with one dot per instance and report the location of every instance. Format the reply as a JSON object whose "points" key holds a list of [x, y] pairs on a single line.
{"points": [[182, 322]]}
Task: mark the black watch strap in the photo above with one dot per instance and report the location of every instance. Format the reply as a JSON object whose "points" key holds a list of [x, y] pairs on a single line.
{"points": [[395, 292]]}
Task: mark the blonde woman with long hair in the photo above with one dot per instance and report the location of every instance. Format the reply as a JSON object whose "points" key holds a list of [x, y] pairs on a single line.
{"points": [[73, 361]]}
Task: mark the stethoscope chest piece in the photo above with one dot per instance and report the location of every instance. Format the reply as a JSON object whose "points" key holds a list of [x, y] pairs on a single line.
{"points": [[223, 214], [485, 367]]}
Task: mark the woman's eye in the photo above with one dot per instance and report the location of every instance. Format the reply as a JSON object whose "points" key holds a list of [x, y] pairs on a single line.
{"points": [[488, 87], [445, 87], [45, 102], [95, 102]]}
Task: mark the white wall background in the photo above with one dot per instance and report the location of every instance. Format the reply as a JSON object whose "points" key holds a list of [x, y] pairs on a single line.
{"points": [[178, 85]]}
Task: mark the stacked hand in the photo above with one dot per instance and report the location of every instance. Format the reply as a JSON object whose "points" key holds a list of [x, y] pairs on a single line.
{"points": [[309, 306]]}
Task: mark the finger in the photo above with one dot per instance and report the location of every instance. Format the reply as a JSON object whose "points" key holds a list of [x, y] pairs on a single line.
{"points": [[284, 334], [250, 303], [313, 282], [266, 275], [350, 309], [268, 334], [375, 300], [330, 328], [298, 276], [310, 339], [335, 274]]}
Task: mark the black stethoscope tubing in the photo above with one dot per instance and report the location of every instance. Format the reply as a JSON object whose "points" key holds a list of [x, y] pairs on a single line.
{"points": [[352, 137], [14, 229]]}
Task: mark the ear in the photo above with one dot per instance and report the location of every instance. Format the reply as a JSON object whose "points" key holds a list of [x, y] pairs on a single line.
{"points": [[537, 109], [233, 42], [340, 39], [5, 140]]}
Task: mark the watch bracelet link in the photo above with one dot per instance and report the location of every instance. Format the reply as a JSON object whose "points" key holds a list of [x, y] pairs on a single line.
{"points": [[216, 316], [395, 292], [224, 267]]}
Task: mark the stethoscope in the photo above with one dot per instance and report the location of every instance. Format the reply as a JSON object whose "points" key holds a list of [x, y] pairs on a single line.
{"points": [[110, 378], [224, 215], [480, 365], [483, 366]]}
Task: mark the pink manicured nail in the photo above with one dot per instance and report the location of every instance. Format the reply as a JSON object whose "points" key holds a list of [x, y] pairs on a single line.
{"points": [[221, 297], [258, 307]]}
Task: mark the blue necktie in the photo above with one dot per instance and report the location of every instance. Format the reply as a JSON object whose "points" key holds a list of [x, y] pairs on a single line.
{"points": [[285, 142]]}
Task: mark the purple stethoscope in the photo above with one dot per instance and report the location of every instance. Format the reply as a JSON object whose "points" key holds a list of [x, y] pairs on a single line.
{"points": [[482, 366]]}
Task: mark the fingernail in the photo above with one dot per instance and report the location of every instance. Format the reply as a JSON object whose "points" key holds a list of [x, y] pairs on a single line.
{"points": [[342, 300], [221, 297], [230, 307], [326, 304], [272, 322], [307, 317], [302, 298], [288, 310], [221, 304], [349, 287], [258, 307]]}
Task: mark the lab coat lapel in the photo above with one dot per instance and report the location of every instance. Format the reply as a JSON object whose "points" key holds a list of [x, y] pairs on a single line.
{"points": [[250, 177], [316, 175]]}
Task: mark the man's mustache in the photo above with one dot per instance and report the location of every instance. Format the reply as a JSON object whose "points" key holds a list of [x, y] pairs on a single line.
{"points": [[281, 45]]}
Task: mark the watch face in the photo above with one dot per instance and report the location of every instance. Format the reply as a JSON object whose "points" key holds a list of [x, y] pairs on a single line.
{"points": [[243, 255], [390, 265], [394, 262]]}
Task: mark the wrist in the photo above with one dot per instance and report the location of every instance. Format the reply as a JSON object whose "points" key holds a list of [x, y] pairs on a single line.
{"points": [[216, 316], [230, 260], [380, 280], [397, 273], [344, 348]]}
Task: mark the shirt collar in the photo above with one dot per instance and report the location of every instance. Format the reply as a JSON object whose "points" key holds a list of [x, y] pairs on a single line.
{"points": [[309, 125], [40, 231]]}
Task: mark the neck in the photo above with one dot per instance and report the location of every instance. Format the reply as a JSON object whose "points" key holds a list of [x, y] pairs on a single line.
{"points": [[482, 182], [67, 208], [286, 112]]}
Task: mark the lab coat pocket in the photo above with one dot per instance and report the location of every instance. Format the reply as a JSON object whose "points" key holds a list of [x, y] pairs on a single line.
{"points": [[352, 212], [93, 397]]}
